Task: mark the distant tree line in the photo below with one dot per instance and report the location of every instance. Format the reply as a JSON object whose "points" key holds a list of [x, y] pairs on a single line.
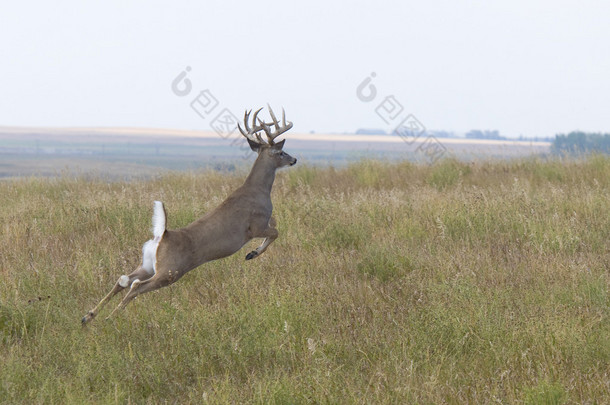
{"points": [[578, 142], [478, 134], [536, 138], [370, 131]]}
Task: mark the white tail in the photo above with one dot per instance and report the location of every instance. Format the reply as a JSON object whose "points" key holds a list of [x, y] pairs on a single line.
{"points": [[244, 215], [158, 220]]}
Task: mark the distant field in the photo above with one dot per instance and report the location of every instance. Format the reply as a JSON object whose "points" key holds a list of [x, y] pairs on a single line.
{"points": [[141, 152], [456, 283]]}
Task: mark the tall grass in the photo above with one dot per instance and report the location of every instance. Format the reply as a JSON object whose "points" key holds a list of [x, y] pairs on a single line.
{"points": [[389, 283]]}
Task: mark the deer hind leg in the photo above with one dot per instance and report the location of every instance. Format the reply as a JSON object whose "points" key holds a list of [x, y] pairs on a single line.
{"points": [[160, 279], [123, 282], [270, 234]]}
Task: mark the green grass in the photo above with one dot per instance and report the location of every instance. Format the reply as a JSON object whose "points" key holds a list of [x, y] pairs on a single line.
{"points": [[389, 283]]}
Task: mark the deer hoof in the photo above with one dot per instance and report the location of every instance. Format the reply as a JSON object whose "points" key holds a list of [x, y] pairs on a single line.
{"points": [[87, 318], [251, 255]]}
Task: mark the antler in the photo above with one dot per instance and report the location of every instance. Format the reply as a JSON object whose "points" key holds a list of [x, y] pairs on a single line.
{"points": [[253, 133], [278, 130]]}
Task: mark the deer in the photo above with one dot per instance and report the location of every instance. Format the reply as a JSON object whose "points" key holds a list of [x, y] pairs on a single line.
{"points": [[244, 215]]}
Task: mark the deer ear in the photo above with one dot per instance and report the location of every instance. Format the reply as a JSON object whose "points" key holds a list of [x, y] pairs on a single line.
{"points": [[279, 145], [253, 145]]}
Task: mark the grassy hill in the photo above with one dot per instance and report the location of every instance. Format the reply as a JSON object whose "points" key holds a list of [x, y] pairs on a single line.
{"points": [[389, 283]]}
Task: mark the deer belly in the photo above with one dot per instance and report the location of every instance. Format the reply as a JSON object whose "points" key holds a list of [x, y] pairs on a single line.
{"points": [[224, 246]]}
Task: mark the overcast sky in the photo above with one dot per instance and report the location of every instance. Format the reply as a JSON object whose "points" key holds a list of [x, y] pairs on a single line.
{"points": [[532, 68]]}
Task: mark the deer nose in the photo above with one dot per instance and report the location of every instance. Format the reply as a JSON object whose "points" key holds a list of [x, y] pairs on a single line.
{"points": [[294, 162]]}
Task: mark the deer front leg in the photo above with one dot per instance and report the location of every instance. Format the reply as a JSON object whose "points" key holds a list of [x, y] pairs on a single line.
{"points": [[270, 234]]}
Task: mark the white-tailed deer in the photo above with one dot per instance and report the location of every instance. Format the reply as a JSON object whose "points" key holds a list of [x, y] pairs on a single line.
{"points": [[244, 215]]}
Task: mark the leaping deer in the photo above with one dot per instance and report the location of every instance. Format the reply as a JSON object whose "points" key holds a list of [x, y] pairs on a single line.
{"points": [[244, 215]]}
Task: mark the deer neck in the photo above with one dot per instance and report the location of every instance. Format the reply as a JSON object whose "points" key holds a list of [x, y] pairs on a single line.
{"points": [[262, 174]]}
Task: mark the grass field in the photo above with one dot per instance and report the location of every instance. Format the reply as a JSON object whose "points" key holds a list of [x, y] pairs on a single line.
{"points": [[390, 283]]}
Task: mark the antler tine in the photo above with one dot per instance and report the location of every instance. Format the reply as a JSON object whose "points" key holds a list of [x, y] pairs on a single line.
{"points": [[256, 129], [246, 116], [267, 130], [251, 132], [284, 118], [244, 133], [278, 129], [254, 118], [277, 124], [255, 136]]}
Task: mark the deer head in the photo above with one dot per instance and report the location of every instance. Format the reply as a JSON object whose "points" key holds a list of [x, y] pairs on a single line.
{"points": [[269, 149]]}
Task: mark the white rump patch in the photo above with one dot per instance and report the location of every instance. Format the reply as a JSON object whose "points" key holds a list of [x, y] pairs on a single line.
{"points": [[149, 256], [158, 220], [124, 281]]}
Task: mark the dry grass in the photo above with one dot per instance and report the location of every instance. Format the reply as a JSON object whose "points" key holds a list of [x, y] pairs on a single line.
{"points": [[389, 283]]}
